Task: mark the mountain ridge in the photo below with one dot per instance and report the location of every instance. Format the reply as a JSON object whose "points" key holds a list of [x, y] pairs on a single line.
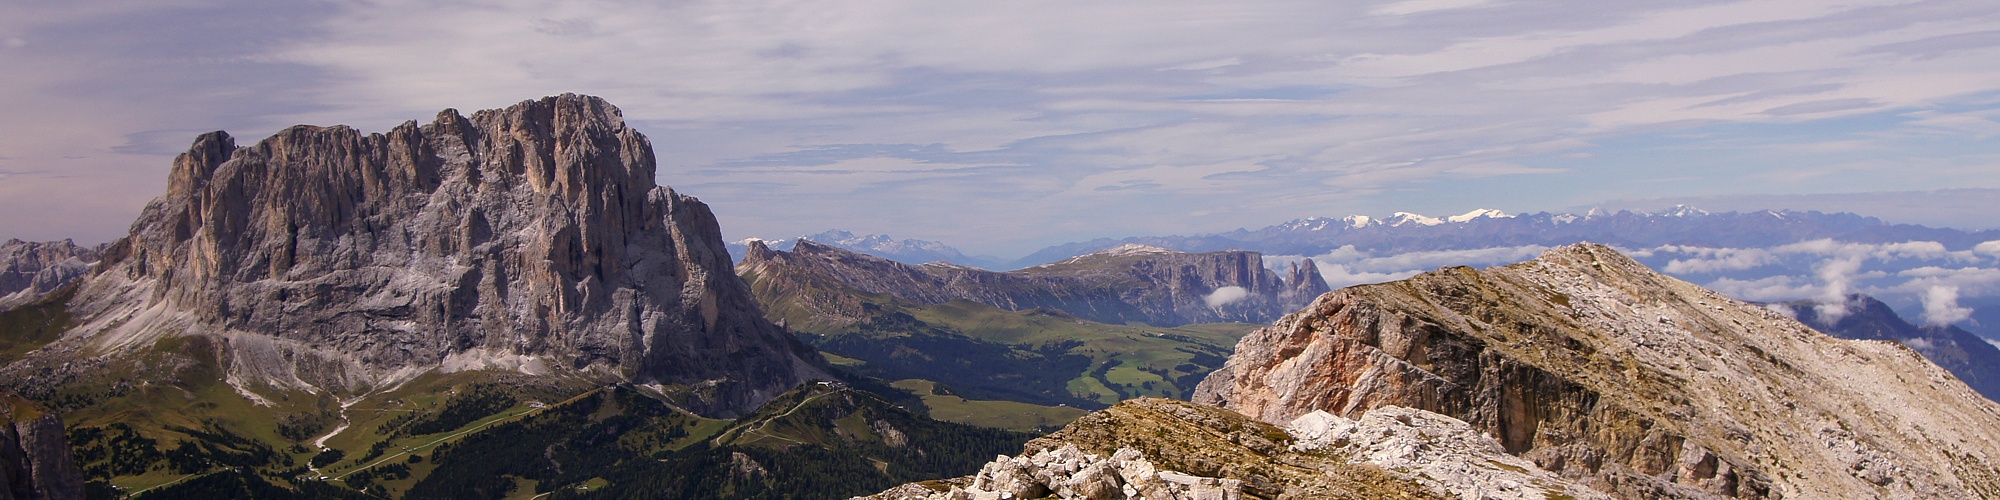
{"points": [[1599, 369]]}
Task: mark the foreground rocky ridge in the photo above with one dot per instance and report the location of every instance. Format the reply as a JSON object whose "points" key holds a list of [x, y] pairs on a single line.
{"points": [[1968, 357], [1634, 383], [1166, 449], [1123, 285], [531, 238]]}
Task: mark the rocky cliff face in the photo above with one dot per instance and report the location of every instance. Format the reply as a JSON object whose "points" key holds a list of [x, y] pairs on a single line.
{"points": [[530, 238], [29, 269], [1637, 384], [34, 454], [1967, 356], [1127, 284]]}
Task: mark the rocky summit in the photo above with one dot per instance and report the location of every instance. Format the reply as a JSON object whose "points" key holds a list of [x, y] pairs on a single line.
{"points": [[1632, 383], [531, 238]]}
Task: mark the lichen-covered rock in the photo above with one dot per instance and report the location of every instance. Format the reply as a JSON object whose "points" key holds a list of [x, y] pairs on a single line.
{"points": [[1165, 449], [1442, 452], [1637, 384], [531, 238]]}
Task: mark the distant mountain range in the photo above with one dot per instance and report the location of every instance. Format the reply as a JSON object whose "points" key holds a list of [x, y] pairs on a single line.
{"points": [[1127, 284], [1485, 228], [879, 245], [1937, 275]]}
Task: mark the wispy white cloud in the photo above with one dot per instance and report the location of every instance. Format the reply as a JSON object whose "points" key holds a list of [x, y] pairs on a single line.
{"points": [[1114, 110], [1225, 296], [1941, 306]]}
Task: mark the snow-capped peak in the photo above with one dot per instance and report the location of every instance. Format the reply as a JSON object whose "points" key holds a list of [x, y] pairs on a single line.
{"points": [[1683, 211], [1132, 249], [1486, 213], [1401, 218], [1358, 221], [767, 242]]}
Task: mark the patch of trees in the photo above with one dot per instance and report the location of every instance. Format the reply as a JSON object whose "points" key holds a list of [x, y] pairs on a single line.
{"points": [[113, 450], [468, 406], [897, 346]]}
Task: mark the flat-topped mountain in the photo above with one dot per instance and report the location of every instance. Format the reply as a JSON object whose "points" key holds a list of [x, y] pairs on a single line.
{"points": [[531, 239], [1130, 284], [1631, 382]]}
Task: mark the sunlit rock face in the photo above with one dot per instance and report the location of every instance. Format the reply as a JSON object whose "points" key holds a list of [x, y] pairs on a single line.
{"points": [[530, 238], [1599, 369]]}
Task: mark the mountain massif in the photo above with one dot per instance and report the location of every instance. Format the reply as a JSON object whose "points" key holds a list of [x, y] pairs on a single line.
{"points": [[531, 238]]}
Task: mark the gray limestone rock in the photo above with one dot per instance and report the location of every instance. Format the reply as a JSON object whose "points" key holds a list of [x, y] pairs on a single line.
{"points": [[530, 238]]}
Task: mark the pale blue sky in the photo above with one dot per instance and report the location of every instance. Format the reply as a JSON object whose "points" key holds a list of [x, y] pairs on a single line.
{"points": [[1001, 127]]}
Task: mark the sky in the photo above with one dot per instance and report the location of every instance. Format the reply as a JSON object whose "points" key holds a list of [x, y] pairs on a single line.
{"points": [[1002, 127]]}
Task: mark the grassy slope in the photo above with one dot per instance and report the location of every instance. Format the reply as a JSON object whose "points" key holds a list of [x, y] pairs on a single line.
{"points": [[1011, 369], [1012, 415], [818, 441], [1098, 363], [173, 393]]}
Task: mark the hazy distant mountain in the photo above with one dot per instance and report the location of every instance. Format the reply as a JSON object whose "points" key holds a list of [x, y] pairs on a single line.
{"points": [[1127, 284], [1766, 256], [879, 245], [1485, 228]]}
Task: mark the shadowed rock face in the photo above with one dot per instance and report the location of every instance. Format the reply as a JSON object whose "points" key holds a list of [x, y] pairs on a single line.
{"points": [[530, 238], [1640, 385], [34, 454], [1124, 285]]}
